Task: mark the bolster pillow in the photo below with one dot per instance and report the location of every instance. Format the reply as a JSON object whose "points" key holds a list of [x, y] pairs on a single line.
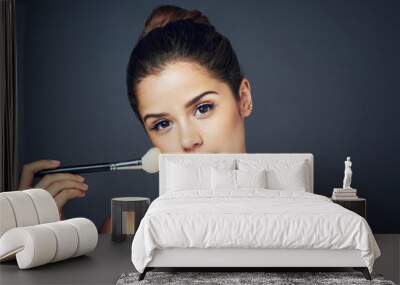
{"points": [[26, 208], [40, 244]]}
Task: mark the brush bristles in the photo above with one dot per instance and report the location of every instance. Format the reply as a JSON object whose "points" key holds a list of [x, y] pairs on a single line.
{"points": [[150, 160]]}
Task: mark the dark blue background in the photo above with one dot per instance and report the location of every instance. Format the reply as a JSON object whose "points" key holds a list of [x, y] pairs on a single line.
{"points": [[324, 78]]}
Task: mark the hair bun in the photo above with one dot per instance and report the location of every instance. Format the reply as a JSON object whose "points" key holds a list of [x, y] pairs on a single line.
{"points": [[162, 15]]}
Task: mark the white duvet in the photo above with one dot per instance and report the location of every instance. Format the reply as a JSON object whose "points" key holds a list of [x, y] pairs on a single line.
{"points": [[251, 218]]}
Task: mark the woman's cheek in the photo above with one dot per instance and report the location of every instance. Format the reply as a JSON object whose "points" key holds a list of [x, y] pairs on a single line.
{"points": [[166, 142], [218, 127], [225, 132]]}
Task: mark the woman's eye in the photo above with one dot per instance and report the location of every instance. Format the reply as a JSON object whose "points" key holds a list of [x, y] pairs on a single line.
{"points": [[203, 109], [161, 125]]}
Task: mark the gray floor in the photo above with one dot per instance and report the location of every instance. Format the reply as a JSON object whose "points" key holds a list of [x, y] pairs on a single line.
{"points": [[102, 266], [110, 260], [389, 262]]}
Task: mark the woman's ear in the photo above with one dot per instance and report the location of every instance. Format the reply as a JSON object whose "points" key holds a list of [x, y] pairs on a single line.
{"points": [[246, 102]]}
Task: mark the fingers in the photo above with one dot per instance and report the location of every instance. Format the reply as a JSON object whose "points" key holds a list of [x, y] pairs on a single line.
{"points": [[67, 194], [29, 169], [48, 179], [38, 165], [61, 185]]}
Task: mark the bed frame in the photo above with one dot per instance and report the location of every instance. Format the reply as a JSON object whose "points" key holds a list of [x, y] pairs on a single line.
{"points": [[241, 258]]}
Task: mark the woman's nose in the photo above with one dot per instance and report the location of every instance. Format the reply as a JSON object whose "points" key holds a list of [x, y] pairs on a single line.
{"points": [[190, 138]]}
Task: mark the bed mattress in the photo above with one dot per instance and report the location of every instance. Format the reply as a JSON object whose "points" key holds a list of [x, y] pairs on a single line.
{"points": [[250, 218]]}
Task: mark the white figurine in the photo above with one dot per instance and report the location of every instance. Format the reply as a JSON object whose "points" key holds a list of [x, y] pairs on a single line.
{"points": [[347, 174]]}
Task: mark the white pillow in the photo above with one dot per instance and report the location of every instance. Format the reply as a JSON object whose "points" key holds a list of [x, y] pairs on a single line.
{"points": [[251, 178], [182, 178], [223, 179], [236, 179], [185, 175], [282, 174]]}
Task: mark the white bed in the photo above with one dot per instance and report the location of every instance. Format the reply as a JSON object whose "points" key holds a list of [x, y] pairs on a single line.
{"points": [[280, 225]]}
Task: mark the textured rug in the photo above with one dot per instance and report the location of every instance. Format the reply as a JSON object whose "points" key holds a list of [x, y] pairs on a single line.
{"points": [[230, 278]]}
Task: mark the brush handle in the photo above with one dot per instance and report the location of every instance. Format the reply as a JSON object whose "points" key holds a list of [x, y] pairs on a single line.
{"points": [[99, 167]]}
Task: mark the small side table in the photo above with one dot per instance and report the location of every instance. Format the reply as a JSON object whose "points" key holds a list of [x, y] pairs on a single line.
{"points": [[357, 205], [126, 214]]}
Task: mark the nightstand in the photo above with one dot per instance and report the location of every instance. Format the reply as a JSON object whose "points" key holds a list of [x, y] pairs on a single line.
{"points": [[357, 205]]}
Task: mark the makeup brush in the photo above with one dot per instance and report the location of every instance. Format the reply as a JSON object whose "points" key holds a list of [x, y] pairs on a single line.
{"points": [[148, 162]]}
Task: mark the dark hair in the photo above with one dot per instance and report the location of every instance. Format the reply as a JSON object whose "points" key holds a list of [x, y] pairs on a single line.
{"points": [[174, 34]]}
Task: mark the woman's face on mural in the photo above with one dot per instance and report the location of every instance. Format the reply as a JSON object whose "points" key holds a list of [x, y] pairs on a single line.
{"points": [[186, 110]]}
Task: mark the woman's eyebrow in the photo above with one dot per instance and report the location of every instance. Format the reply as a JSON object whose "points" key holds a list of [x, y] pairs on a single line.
{"points": [[148, 116], [188, 104], [198, 97]]}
